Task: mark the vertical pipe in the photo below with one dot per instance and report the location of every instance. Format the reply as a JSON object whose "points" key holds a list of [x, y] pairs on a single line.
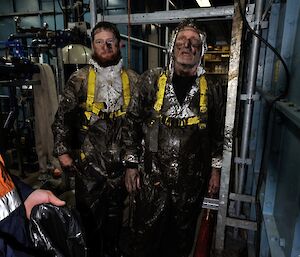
{"points": [[167, 35], [65, 11], [249, 103], [93, 11], [57, 73], [60, 70], [232, 90], [236, 166], [103, 9], [40, 16], [129, 34]]}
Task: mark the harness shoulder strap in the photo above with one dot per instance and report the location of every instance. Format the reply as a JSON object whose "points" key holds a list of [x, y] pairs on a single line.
{"points": [[96, 107], [126, 88], [162, 81], [201, 119], [203, 95], [90, 89]]}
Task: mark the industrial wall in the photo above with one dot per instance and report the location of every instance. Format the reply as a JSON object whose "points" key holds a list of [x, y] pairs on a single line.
{"points": [[275, 137]]}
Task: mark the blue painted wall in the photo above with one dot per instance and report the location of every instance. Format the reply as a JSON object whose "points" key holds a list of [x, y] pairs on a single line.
{"points": [[282, 192]]}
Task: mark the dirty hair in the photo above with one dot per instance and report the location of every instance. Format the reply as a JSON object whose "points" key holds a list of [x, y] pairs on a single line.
{"points": [[104, 25]]}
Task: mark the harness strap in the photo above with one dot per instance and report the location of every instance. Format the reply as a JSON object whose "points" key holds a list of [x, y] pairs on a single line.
{"points": [[162, 82], [96, 107], [174, 122], [203, 95], [177, 122]]}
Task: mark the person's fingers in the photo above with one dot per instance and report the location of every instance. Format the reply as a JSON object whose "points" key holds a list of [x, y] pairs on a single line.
{"points": [[138, 184], [214, 189], [65, 160], [127, 182], [54, 200], [68, 162], [209, 189], [129, 188], [133, 182], [28, 212]]}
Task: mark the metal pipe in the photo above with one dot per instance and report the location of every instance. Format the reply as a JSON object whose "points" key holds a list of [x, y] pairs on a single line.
{"points": [[173, 16], [232, 90], [143, 42], [236, 167], [93, 12], [249, 103], [103, 9], [65, 13], [60, 70], [167, 34], [33, 13]]}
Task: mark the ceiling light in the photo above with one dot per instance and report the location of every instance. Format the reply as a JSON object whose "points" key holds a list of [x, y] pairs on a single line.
{"points": [[203, 3]]}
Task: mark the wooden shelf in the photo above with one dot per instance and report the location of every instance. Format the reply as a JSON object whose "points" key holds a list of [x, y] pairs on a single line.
{"points": [[216, 73], [215, 60], [217, 52]]}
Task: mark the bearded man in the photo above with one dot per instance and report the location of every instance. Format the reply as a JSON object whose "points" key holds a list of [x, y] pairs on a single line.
{"points": [[176, 120], [92, 111]]}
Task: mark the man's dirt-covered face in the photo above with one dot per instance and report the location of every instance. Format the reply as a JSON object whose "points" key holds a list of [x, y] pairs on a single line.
{"points": [[106, 48], [188, 47]]}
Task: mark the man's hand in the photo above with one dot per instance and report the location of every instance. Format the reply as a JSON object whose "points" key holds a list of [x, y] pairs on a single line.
{"points": [[132, 180], [214, 182], [65, 160], [40, 196]]}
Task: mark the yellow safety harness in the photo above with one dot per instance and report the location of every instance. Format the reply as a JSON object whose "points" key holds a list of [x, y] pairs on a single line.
{"points": [[93, 107], [201, 120]]}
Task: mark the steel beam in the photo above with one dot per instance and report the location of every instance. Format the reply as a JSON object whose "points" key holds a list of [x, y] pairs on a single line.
{"points": [[34, 13], [290, 111], [172, 16], [242, 198], [249, 104], [273, 236], [144, 42], [233, 77], [239, 223]]}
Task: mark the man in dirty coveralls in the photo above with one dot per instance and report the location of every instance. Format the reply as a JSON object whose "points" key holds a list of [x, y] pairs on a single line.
{"points": [[176, 120], [90, 118]]}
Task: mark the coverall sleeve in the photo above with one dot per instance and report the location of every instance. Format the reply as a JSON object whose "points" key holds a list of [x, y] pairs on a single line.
{"points": [[23, 189], [14, 231], [216, 118], [13, 227], [70, 99]]}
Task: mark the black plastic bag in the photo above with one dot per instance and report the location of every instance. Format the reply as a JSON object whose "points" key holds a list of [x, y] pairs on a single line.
{"points": [[57, 231]]}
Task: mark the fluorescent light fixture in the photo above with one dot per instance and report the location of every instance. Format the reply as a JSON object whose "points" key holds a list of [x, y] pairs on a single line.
{"points": [[203, 3]]}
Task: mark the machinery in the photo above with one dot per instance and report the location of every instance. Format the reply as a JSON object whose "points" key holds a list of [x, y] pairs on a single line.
{"points": [[22, 51]]}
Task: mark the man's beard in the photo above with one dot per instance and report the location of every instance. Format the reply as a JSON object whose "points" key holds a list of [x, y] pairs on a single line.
{"points": [[104, 62]]}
